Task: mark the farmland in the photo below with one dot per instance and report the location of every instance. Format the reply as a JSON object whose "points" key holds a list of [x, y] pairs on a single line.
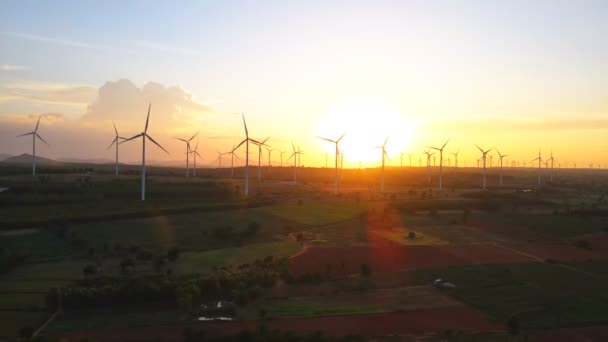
{"points": [[295, 258]]}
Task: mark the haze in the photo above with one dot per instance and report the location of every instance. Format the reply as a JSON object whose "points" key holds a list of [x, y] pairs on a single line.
{"points": [[518, 74]]}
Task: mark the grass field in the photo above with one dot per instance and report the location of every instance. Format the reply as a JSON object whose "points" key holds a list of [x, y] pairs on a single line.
{"points": [[318, 212], [540, 295]]}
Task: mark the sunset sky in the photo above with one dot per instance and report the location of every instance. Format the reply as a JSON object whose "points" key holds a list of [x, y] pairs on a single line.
{"points": [[518, 75]]}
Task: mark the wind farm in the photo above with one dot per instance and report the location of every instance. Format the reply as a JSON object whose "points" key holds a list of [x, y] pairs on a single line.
{"points": [[386, 171]]}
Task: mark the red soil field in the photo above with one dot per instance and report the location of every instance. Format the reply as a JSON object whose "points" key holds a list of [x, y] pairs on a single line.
{"points": [[418, 322], [389, 257]]}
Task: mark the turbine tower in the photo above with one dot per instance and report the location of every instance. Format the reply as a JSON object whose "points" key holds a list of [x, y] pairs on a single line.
{"points": [[455, 158], [260, 144], [34, 135], [551, 160], [188, 150], [269, 149], [117, 139], [246, 142], [336, 142], [383, 147], [501, 156], [294, 155], [143, 136], [232, 156], [540, 160], [440, 149], [194, 155], [484, 157], [428, 165]]}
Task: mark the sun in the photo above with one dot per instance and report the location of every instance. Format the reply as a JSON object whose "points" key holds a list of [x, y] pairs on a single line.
{"points": [[367, 124]]}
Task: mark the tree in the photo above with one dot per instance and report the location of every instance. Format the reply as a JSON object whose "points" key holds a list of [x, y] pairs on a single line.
{"points": [[173, 253], [411, 235], [366, 271], [89, 270], [513, 325], [127, 265]]}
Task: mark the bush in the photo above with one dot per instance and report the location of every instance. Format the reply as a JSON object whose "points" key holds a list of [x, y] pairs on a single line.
{"points": [[366, 271], [411, 235], [513, 325], [583, 244], [253, 228], [173, 253], [89, 270]]}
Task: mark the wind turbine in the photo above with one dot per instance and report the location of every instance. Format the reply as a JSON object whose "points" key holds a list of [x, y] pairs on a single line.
{"points": [[540, 159], [194, 154], [440, 163], [501, 156], [143, 136], [188, 150], [295, 161], [34, 135], [246, 142], [551, 160], [282, 157], [428, 164], [455, 158], [269, 151], [336, 142], [484, 157], [260, 144], [383, 147], [232, 156], [219, 157], [116, 141]]}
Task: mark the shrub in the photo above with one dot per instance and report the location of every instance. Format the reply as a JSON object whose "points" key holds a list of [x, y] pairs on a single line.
{"points": [[411, 235], [366, 271], [89, 270], [253, 228], [173, 253], [583, 244], [513, 325]]}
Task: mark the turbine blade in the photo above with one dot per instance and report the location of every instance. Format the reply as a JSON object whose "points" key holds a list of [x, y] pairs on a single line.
{"points": [[113, 142], [255, 142], [38, 123], [131, 138], [265, 140], [239, 145], [198, 154], [22, 135], [342, 136], [331, 141], [445, 143], [180, 139], [194, 136], [157, 144], [148, 117], [39, 137], [115, 130], [385, 141], [293, 146], [245, 124]]}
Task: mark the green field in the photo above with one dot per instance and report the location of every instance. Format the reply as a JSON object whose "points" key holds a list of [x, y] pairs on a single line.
{"points": [[318, 212], [540, 295]]}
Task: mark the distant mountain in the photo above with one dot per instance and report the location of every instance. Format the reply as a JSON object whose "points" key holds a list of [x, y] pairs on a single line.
{"points": [[87, 161], [4, 156], [27, 159]]}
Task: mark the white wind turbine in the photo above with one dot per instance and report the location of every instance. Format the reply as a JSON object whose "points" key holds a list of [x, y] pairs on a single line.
{"points": [[440, 149], [295, 155], [282, 157], [194, 155], [143, 136], [116, 141], [383, 147], [34, 135], [260, 144], [455, 154], [232, 156], [336, 142], [188, 150], [551, 160], [269, 149], [428, 164], [484, 157], [540, 160], [246, 142], [501, 156]]}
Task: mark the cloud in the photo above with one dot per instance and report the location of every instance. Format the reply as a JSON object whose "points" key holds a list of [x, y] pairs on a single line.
{"points": [[12, 68], [172, 107], [549, 124], [47, 92], [55, 41]]}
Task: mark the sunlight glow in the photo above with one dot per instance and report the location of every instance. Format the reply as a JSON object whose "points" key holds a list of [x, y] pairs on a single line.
{"points": [[367, 124]]}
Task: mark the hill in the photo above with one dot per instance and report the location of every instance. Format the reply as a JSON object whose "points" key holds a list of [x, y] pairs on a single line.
{"points": [[27, 159]]}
